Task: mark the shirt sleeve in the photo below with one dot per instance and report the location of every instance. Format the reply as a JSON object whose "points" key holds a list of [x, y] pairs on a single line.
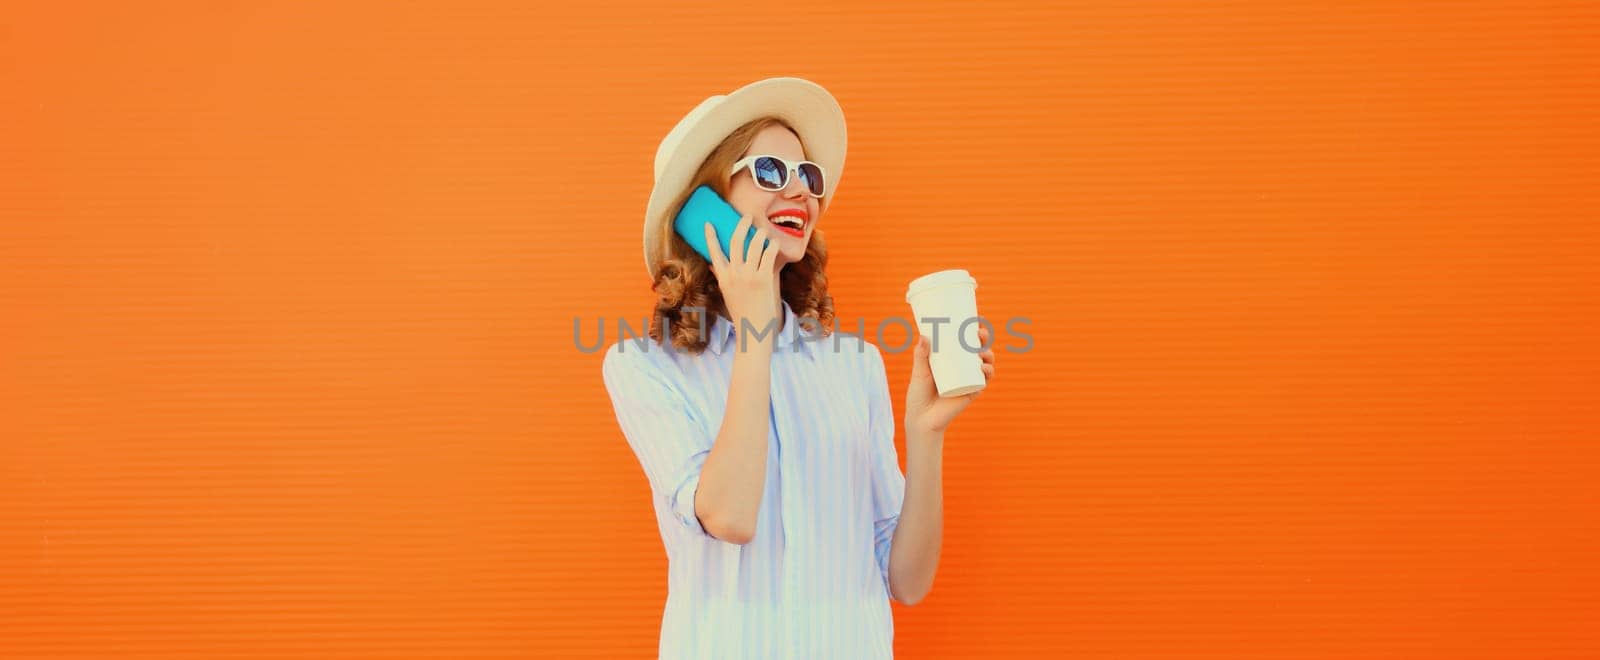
{"points": [[888, 482], [666, 433]]}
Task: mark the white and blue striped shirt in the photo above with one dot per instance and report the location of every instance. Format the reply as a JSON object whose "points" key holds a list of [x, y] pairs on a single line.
{"points": [[813, 581]]}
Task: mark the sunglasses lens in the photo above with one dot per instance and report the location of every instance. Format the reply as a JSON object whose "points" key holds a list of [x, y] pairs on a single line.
{"points": [[811, 175], [769, 173]]}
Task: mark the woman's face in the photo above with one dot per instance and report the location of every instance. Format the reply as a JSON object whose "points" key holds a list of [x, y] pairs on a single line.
{"points": [[748, 198]]}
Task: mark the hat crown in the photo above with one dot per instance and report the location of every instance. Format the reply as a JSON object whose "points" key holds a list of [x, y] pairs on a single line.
{"points": [[675, 137]]}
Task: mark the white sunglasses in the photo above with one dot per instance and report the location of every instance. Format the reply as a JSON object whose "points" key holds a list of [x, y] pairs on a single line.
{"points": [[771, 173]]}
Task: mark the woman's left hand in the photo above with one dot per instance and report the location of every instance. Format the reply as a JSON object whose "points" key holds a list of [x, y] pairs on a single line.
{"points": [[926, 411]]}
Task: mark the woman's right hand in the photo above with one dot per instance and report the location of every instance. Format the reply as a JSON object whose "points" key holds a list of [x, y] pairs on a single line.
{"points": [[748, 282]]}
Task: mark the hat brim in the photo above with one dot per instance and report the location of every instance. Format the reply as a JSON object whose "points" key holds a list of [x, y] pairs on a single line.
{"points": [[804, 105]]}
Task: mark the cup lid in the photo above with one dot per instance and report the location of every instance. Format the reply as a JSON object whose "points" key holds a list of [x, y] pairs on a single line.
{"points": [[956, 276]]}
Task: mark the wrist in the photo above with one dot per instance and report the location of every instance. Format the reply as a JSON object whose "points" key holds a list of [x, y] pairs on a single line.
{"points": [[924, 437], [756, 330]]}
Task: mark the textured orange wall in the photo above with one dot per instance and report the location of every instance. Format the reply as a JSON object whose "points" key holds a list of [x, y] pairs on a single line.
{"points": [[289, 296]]}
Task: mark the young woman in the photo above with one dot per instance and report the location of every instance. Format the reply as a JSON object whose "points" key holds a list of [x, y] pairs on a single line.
{"points": [[787, 522]]}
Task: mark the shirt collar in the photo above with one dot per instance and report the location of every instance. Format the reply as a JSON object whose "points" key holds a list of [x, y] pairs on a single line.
{"points": [[792, 338]]}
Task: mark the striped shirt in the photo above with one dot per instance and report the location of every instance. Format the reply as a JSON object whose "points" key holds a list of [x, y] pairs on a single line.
{"points": [[814, 580]]}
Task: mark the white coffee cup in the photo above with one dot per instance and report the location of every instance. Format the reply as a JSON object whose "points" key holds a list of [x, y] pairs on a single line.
{"points": [[942, 302]]}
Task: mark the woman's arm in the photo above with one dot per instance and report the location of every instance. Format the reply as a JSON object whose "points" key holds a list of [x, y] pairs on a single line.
{"points": [[914, 554], [735, 473]]}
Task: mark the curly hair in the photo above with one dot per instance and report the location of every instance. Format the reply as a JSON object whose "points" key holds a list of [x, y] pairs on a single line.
{"points": [[683, 278]]}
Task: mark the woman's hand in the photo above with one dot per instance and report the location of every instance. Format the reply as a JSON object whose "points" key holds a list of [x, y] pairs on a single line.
{"points": [[926, 411], [749, 284]]}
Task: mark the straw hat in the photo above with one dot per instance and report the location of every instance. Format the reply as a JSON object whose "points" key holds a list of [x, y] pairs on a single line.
{"points": [[800, 103]]}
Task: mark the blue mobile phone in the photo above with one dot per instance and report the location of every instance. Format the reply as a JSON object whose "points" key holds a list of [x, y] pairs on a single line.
{"points": [[705, 205]]}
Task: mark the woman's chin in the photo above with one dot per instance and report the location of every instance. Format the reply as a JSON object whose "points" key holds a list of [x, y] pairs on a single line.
{"points": [[791, 249]]}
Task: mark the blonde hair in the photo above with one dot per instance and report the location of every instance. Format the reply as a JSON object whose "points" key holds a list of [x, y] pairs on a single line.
{"points": [[683, 278]]}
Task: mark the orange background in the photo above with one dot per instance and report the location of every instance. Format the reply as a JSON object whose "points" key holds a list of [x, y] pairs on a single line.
{"points": [[289, 295]]}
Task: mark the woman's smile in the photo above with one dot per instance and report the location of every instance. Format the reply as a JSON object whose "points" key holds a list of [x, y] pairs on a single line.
{"points": [[790, 221]]}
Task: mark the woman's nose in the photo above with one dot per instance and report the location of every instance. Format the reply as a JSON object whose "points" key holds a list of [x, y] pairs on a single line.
{"points": [[796, 189]]}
